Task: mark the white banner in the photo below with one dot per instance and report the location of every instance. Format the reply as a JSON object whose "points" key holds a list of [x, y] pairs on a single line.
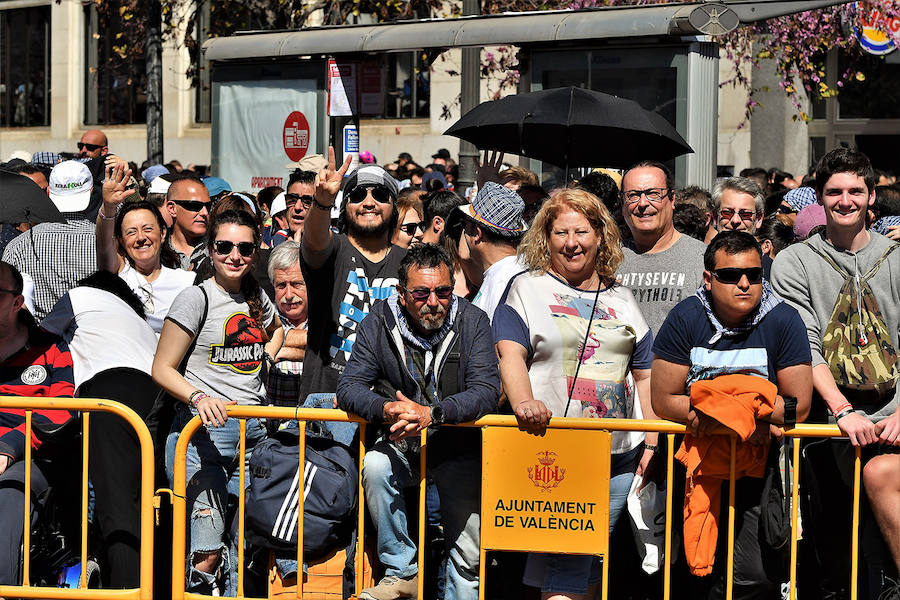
{"points": [[262, 127]]}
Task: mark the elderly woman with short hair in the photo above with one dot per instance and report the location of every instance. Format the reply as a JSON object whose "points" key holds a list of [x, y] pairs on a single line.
{"points": [[568, 337]]}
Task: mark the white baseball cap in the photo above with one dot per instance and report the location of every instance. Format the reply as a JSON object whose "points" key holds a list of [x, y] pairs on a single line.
{"points": [[279, 204], [159, 186], [70, 186]]}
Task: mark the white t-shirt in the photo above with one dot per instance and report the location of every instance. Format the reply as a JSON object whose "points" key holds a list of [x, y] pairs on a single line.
{"points": [[157, 296], [496, 278], [549, 319], [103, 333]]}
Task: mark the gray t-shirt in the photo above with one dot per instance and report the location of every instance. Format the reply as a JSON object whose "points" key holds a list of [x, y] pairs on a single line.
{"points": [[663, 279], [228, 355]]}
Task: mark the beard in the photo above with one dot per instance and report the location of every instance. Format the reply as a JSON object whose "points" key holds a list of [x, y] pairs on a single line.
{"points": [[431, 320], [374, 230]]}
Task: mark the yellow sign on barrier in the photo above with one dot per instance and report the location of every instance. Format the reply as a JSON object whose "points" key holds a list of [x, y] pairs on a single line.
{"points": [[545, 493]]}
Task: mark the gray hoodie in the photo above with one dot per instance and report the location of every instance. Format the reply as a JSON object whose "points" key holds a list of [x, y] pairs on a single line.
{"points": [[811, 285]]}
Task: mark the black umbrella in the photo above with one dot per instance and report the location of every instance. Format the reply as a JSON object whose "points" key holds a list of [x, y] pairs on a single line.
{"points": [[571, 127], [23, 201]]}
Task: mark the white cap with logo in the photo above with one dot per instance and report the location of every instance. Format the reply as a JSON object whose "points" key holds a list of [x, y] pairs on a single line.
{"points": [[70, 186]]}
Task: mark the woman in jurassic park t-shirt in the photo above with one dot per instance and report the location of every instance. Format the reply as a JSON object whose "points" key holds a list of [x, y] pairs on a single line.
{"points": [[219, 332]]}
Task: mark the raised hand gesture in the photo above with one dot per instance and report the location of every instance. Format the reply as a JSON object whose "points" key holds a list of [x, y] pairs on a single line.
{"points": [[328, 182], [114, 187], [489, 168]]}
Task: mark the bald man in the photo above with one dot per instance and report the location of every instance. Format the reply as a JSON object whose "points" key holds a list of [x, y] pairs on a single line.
{"points": [[93, 144], [188, 203]]}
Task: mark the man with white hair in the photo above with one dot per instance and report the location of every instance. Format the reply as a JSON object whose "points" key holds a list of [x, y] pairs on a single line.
{"points": [[283, 388], [58, 255]]}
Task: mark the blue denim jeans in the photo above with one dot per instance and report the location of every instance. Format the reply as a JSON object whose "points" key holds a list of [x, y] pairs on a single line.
{"points": [[386, 471], [213, 480], [574, 573]]}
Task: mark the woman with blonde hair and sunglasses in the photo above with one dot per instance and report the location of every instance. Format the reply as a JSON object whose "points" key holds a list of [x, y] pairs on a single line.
{"points": [[573, 343], [211, 354]]}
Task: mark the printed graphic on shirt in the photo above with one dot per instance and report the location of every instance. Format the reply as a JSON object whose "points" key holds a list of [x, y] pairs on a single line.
{"points": [[656, 286], [708, 364], [600, 385], [242, 345], [34, 375], [357, 303]]}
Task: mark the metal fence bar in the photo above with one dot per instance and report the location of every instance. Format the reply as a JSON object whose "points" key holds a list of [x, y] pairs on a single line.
{"points": [[85, 495], [854, 534], [302, 415], [26, 523], [361, 514], [86, 406], [795, 508], [301, 498], [241, 501]]}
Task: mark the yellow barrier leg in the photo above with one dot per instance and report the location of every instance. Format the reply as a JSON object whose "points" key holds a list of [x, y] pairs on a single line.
{"points": [[667, 556], [729, 572], [241, 494], [423, 520], [85, 447], [26, 524], [854, 535], [300, 508], [795, 507], [361, 516]]}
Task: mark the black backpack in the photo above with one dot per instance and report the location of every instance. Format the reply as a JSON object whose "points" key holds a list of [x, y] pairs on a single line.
{"points": [[329, 486]]}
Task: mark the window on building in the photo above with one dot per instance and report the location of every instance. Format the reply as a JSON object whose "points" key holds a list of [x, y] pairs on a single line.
{"points": [[408, 89], [115, 86], [25, 67], [877, 97]]}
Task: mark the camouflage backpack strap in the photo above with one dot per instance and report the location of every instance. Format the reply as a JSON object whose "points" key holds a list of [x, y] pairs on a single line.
{"points": [[874, 268], [831, 261]]}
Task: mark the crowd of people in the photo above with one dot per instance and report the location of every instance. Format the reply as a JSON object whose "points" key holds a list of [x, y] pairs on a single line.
{"points": [[762, 303]]}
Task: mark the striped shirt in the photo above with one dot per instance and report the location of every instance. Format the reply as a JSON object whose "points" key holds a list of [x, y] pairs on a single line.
{"points": [[57, 256]]}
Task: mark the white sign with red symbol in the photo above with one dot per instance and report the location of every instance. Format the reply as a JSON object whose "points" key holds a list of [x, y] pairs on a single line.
{"points": [[876, 31], [341, 88], [296, 136]]}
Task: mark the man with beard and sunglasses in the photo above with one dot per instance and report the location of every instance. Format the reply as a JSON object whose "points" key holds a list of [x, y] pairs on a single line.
{"points": [[346, 272], [423, 358], [188, 203], [289, 211], [715, 356]]}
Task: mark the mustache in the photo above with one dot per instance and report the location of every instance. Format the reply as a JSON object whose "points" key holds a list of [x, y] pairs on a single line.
{"points": [[427, 310], [290, 300]]}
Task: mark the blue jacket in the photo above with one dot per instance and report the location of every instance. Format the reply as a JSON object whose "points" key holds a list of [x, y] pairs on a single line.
{"points": [[378, 361]]}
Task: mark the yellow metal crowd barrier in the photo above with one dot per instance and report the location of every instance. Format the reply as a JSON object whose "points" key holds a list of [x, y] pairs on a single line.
{"points": [[495, 421], [86, 406]]}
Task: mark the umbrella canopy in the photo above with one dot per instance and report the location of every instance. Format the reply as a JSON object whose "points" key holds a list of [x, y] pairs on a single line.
{"points": [[23, 201], [571, 127]]}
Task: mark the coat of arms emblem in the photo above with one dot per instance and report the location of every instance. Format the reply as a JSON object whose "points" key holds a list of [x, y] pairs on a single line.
{"points": [[544, 474]]}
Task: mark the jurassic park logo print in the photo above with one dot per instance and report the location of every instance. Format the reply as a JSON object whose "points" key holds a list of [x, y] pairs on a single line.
{"points": [[242, 346]]}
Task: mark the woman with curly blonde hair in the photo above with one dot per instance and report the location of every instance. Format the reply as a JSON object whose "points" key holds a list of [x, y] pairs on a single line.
{"points": [[572, 342]]}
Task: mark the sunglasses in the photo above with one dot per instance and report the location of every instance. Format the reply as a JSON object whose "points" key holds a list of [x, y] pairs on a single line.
{"points": [[744, 214], [732, 275], [90, 147], [380, 193], [410, 228], [291, 199], [224, 247], [193, 205], [421, 294]]}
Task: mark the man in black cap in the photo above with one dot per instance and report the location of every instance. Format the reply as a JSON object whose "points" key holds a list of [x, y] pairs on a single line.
{"points": [[348, 271], [441, 157]]}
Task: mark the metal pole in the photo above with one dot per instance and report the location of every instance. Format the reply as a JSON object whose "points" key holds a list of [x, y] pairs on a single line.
{"points": [[469, 93]]}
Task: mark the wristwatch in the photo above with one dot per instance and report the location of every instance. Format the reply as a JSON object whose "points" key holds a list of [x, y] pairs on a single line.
{"points": [[437, 415], [790, 412]]}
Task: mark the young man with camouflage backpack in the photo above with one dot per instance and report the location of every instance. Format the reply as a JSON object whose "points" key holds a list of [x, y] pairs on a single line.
{"points": [[845, 283]]}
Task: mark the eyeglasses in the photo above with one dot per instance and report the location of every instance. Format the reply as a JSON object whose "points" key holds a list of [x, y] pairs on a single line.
{"points": [[224, 247], [733, 275], [90, 147], [193, 205], [653, 195], [420, 294], [291, 199], [744, 214], [380, 193], [410, 228]]}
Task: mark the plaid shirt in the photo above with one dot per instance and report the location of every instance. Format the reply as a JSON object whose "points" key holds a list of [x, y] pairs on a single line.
{"points": [[283, 387], [57, 256]]}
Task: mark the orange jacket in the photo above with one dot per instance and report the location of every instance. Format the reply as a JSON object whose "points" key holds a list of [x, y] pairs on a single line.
{"points": [[736, 401]]}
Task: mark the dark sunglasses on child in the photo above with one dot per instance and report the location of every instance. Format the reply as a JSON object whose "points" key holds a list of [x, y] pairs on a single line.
{"points": [[733, 275], [224, 247]]}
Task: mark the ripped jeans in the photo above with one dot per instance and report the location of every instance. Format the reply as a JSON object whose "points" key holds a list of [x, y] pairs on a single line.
{"points": [[213, 481]]}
